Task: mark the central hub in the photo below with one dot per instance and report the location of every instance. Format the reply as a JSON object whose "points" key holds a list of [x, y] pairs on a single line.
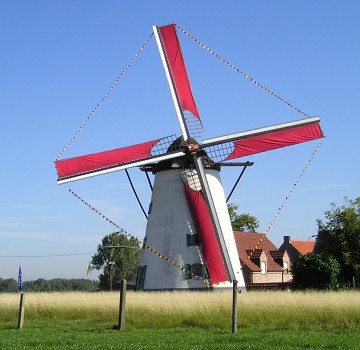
{"points": [[191, 148]]}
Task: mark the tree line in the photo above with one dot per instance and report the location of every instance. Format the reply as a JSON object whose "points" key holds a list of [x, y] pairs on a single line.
{"points": [[10, 285], [335, 261]]}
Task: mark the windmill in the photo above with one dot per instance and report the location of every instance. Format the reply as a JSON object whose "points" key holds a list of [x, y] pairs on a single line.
{"points": [[188, 217]]}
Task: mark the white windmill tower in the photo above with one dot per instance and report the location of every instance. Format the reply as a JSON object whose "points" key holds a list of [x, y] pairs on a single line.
{"points": [[188, 219]]}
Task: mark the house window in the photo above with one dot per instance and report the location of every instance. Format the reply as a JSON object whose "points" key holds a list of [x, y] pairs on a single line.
{"points": [[263, 268], [192, 239], [141, 277], [286, 266]]}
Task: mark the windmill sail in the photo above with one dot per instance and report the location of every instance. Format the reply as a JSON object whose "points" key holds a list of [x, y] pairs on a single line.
{"points": [[81, 167], [207, 236], [175, 70], [263, 139], [174, 66]]}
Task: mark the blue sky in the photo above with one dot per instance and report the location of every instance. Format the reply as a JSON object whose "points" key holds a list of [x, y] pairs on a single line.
{"points": [[59, 58]]}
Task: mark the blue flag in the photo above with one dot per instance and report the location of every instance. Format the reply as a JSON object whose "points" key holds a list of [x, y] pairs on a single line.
{"points": [[20, 280]]}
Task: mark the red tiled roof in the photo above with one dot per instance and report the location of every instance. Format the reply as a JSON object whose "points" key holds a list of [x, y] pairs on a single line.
{"points": [[277, 254], [255, 254], [247, 241], [303, 247]]}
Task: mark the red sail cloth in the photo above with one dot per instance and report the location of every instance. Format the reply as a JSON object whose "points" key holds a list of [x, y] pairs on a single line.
{"points": [[96, 161], [177, 68], [275, 139], [207, 236]]}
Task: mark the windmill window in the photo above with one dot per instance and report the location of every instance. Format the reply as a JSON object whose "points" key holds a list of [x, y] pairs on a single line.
{"points": [[187, 272], [141, 277], [198, 269], [144, 242], [150, 208], [192, 239]]}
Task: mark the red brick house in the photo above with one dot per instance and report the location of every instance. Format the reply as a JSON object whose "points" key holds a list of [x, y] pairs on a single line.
{"points": [[297, 248], [267, 266]]}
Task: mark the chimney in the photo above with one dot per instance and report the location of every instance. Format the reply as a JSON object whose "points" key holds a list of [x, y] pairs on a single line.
{"points": [[287, 240]]}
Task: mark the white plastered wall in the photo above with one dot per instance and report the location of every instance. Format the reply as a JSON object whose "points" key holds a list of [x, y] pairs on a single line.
{"points": [[169, 222]]}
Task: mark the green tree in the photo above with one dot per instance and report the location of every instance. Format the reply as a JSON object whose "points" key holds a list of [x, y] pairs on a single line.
{"points": [[242, 222], [119, 258], [342, 231], [59, 284], [8, 285], [315, 271]]}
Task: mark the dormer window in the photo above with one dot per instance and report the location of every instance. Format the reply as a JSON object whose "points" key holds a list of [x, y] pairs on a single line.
{"points": [[263, 268]]}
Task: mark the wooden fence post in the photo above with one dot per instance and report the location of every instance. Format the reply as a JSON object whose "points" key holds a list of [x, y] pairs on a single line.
{"points": [[121, 324], [21, 312], [234, 307]]}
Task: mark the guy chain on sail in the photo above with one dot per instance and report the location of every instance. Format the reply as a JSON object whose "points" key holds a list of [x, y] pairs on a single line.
{"points": [[91, 114]]}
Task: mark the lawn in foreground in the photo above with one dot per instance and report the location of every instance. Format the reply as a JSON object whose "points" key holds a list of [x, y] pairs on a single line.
{"points": [[100, 335], [182, 320]]}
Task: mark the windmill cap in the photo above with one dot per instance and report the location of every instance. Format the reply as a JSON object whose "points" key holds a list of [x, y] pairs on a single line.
{"points": [[185, 161], [180, 144]]}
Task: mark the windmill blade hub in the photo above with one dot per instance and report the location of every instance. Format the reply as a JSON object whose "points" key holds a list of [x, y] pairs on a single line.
{"points": [[189, 147]]}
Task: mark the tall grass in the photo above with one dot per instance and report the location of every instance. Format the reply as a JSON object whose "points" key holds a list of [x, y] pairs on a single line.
{"points": [[267, 310]]}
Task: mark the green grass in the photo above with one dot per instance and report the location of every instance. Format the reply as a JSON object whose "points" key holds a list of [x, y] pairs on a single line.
{"points": [[101, 335], [267, 320]]}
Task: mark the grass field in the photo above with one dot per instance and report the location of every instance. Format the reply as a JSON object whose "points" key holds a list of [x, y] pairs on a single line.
{"points": [[182, 320]]}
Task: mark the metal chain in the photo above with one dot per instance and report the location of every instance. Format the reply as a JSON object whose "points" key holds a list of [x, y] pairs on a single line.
{"points": [[121, 230], [91, 114], [252, 80], [283, 204]]}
